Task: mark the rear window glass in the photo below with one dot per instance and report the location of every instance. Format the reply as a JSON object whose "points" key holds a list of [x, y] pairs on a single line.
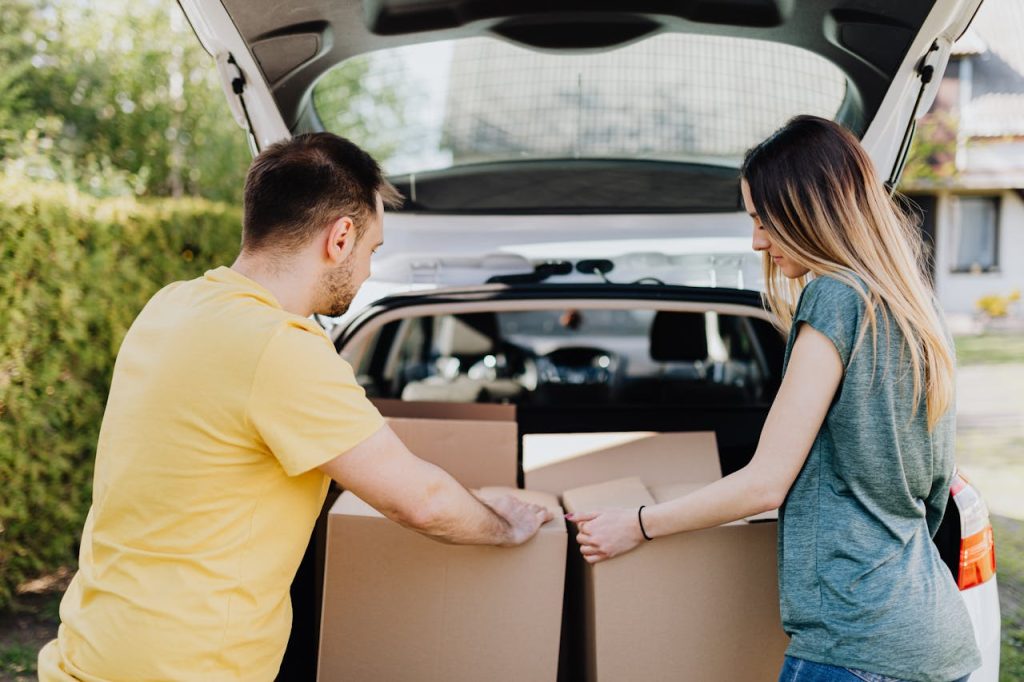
{"points": [[575, 356], [675, 97]]}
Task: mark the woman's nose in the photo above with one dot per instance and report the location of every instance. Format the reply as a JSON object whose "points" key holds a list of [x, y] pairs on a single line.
{"points": [[760, 241]]}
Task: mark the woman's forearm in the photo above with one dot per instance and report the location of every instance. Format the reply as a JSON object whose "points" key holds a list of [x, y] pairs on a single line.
{"points": [[812, 379], [734, 497]]}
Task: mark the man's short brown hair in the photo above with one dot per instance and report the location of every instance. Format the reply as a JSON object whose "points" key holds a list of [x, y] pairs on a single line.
{"points": [[297, 187]]}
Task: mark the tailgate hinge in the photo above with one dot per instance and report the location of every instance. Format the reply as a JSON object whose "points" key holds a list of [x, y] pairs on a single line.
{"points": [[926, 72], [233, 81]]}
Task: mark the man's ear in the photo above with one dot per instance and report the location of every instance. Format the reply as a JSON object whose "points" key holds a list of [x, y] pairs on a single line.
{"points": [[340, 240]]}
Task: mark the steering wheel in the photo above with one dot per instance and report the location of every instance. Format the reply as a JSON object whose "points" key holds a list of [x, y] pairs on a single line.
{"points": [[578, 365]]}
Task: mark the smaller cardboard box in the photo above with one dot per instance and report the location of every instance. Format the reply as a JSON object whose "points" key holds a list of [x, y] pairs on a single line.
{"points": [[475, 453], [477, 444], [701, 605], [557, 462], [399, 606]]}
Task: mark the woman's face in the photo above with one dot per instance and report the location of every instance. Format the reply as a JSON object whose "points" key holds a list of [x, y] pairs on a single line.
{"points": [[763, 242]]}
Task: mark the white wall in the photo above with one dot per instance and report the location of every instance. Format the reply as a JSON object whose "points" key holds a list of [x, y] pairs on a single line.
{"points": [[958, 292]]}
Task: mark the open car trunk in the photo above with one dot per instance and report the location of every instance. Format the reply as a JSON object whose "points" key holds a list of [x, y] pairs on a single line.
{"points": [[886, 56]]}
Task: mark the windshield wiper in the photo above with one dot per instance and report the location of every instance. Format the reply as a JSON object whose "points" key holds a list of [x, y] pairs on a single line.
{"points": [[541, 272]]}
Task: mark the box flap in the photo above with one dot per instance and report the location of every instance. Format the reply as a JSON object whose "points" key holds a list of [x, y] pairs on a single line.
{"points": [[349, 504], [557, 462], [623, 492], [476, 453], [390, 407]]}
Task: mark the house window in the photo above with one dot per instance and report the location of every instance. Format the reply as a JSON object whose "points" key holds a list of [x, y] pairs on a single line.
{"points": [[975, 234]]}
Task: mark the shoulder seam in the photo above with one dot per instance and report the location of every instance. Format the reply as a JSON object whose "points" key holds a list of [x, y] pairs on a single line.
{"points": [[282, 326]]}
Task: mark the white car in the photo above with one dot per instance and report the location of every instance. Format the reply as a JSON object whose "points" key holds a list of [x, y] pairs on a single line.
{"points": [[573, 240]]}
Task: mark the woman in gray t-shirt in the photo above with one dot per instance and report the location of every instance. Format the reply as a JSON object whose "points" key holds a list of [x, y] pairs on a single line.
{"points": [[857, 450]]}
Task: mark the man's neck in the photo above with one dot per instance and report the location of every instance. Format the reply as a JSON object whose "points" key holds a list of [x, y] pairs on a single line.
{"points": [[292, 286]]}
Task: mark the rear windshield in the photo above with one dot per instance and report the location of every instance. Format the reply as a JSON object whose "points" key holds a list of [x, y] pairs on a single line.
{"points": [[575, 356], [673, 97]]}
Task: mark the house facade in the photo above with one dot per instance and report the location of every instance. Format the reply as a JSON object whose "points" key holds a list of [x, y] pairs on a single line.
{"points": [[966, 172]]}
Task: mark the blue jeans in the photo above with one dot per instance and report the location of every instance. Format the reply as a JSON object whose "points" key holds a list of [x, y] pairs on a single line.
{"points": [[799, 670]]}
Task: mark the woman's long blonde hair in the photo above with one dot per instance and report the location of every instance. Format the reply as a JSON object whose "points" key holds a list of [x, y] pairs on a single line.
{"points": [[817, 194]]}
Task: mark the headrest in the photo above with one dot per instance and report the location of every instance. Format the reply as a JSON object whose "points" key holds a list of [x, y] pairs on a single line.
{"points": [[468, 334], [679, 337]]}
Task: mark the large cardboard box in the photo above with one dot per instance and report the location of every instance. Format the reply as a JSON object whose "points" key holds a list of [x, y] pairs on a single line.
{"points": [[557, 462], [699, 606], [399, 606]]}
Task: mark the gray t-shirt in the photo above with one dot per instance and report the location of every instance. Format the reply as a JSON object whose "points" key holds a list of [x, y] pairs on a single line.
{"points": [[860, 580]]}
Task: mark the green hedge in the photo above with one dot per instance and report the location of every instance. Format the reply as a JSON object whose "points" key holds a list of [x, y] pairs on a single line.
{"points": [[75, 272]]}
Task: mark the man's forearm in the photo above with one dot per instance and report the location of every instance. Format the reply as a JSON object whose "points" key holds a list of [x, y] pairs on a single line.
{"points": [[448, 512], [418, 494]]}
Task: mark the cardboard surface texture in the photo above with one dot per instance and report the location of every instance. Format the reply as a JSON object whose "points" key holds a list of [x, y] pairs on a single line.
{"points": [[421, 409], [653, 457], [399, 606], [476, 453], [701, 605]]}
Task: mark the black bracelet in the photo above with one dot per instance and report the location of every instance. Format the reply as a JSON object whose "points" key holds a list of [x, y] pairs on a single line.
{"points": [[640, 518]]}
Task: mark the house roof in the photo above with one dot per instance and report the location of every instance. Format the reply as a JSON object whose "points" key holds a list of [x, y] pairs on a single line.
{"points": [[970, 43], [996, 108], [999, 26], [994, 115]]}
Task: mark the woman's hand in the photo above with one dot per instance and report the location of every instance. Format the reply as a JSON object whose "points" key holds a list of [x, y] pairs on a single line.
{"points": [[606, 534]]}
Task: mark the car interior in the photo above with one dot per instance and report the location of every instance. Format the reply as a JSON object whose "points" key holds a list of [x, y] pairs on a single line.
{"points": [[575, 357]]}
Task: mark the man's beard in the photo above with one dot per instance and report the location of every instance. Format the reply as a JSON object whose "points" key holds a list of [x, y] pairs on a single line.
{"points": [[335, 292]]}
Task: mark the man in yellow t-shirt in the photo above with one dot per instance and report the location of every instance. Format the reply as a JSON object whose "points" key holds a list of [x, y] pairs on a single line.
{"points": [[229, 412]]}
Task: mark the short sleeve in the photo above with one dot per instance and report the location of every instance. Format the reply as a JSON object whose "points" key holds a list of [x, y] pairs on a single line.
{"points": [[833, 308], [305, 403]]}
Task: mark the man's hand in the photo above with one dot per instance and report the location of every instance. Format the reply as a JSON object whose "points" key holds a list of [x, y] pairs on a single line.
{"points": [[523, 519], [606, 534], [383, 473]]}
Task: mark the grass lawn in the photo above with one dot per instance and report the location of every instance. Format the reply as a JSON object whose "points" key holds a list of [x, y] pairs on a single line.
{"points": [[17, 661], [26, 629], [1009, 534], [990, 449], [990, 349]]}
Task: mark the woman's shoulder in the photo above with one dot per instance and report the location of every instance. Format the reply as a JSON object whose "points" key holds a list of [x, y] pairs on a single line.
{"points": [[846, 290]]}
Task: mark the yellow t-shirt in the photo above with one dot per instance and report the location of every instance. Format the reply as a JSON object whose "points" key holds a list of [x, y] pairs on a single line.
{"points": [[206, 490]]}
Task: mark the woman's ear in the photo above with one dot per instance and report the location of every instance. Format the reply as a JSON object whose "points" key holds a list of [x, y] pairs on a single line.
{"points": [[340, 240]]}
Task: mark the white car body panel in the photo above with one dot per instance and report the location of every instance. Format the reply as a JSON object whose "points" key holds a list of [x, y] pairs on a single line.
{"points": [[983, 606], [947, 21], [423, 251], [218, 36]]}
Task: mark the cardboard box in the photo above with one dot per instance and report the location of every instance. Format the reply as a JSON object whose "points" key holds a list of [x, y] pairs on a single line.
{"points": [[422, 409], [475, 453], [476, 444], [557, 462], [399, 606], [700, 606]]}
